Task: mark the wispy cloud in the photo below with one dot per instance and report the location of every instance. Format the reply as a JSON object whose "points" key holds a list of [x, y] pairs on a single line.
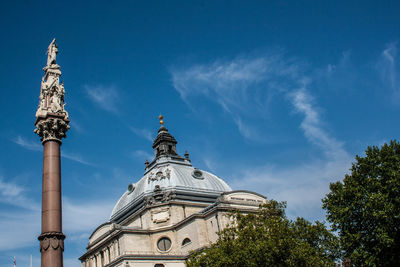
{"points": [[311, 125], [76, 157], [36, 146], [76, 126], [14, 194], [243, 87], [143, 133], [106, 98], [141, 154], [94, 212], [19, 228], [9, 190], [389, 68], [302, 186], [27, 144], [16, 233]]}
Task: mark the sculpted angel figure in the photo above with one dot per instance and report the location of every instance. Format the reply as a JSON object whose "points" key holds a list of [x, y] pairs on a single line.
{"points": [[51, 53]]}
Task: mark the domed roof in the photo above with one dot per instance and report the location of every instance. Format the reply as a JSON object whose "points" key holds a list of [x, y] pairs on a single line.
{"points": [[169, 173]]}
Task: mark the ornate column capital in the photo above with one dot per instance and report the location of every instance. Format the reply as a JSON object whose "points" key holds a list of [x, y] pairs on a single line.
{"points": [[51, 117], [51, 127]]}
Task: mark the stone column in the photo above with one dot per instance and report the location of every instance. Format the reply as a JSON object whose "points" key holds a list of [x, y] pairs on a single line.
{"points": [[105, 253], [52, 238], [51, 125], [112, 250]]}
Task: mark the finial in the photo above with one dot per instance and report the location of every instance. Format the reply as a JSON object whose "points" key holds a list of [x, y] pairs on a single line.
{"points": [[161, 120], [187, 156]]}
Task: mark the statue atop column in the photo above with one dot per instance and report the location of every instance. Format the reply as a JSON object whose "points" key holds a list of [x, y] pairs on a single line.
{"points": [[52, 51], [51, 117]]}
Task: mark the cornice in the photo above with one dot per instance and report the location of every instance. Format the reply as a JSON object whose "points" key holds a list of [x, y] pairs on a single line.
{"points": [[118, 232]]}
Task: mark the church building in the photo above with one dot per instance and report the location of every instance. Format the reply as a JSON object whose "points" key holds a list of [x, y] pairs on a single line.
{"points": [[172, 210]]}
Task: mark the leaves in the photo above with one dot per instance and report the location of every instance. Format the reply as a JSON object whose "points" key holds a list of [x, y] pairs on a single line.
{"points": [[365, 208], [268, 238]]}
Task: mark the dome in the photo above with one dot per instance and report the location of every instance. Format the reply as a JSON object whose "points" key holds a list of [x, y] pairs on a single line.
{"points": [[169, 176]]}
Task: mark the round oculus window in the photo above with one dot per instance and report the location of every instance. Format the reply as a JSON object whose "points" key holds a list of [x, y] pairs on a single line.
{"points": [[197, 174], [131, 187], [164, 244]]}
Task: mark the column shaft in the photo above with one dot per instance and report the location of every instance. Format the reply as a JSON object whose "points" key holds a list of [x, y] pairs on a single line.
{"points": [[52, 238]]}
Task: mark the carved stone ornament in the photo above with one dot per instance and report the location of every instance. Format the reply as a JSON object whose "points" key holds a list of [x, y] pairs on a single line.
{"points": [[51, 128], [51, 117], [159, 175], [54, 240], [159, 196], [160, 215]]}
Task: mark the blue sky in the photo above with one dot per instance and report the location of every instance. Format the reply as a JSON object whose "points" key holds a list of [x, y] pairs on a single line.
{"points": [[272, 96]]}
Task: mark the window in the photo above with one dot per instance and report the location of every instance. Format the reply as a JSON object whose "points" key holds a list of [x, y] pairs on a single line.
{"points": [[186, 241], [159, 265], [164, 244], [197, 174]]}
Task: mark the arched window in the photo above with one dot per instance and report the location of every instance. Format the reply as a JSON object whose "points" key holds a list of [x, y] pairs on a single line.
{"points": [[186, 241], [159, 265], [164, 244]]}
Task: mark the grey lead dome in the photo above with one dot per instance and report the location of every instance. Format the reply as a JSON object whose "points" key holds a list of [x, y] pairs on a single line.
{"points": [[168, 177]]}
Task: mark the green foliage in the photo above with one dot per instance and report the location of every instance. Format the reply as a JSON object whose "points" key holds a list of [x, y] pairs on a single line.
{"points": [[365, 208], [268, 238]]}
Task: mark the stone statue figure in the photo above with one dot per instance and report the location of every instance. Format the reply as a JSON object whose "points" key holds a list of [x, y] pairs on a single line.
{"points": [[51, 53], [55, 102]]}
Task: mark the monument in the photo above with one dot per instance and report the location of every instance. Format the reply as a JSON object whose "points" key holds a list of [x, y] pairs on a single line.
{"points": [[51, 125]]}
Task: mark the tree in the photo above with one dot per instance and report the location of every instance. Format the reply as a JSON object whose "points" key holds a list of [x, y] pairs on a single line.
{"points": [[268, 238], [365, 208]]}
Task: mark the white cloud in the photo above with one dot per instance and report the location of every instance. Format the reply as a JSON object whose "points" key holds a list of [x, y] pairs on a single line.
{"points": [[143, 133], [76, 157], [76, 126], [311, 125], [210, 164], [83, 216], [15, 232], [19, 228], [141, 154], [36, 146], [30, 145], [106, 98], [389, 69], [14, 194], [80, 217], [243, 87], [302, 186]]}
